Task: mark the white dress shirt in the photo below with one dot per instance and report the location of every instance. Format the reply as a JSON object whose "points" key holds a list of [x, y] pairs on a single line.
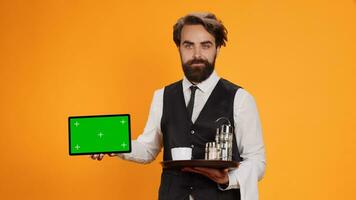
{"points": [[247, 131]]}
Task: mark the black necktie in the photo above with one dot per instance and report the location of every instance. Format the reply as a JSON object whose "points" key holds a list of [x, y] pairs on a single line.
{"points": [[193, 88]]}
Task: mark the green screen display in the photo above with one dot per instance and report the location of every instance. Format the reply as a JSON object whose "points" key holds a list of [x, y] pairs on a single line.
{"points": [[99, 134]]}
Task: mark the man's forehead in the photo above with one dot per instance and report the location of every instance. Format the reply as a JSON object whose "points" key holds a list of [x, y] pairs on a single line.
{"points": [[196, 34]]}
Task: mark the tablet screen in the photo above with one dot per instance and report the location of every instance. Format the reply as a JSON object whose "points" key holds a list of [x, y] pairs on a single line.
{"points": [[99, 134]]}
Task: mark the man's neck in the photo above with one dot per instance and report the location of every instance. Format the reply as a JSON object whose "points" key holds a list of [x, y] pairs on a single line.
{"points": [[194, 83]]}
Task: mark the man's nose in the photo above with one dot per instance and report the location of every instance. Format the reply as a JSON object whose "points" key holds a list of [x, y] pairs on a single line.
{"points": [[197, 53]]}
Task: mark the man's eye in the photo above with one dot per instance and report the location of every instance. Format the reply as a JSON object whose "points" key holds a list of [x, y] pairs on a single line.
{"points": [[188, 46], [206, 46]]}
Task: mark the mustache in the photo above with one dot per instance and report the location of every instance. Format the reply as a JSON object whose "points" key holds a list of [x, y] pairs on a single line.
{"points": [[197, 61]]}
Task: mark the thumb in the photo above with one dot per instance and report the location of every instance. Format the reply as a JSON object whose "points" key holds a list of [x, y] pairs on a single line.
{"points": [[112, 154]]}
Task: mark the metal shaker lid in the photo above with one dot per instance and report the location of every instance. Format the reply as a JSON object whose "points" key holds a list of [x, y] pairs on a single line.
{"points": [[226, 128]]}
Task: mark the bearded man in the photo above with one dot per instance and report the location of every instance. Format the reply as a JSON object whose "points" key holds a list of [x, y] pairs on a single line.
{"points": [[183, 114]]}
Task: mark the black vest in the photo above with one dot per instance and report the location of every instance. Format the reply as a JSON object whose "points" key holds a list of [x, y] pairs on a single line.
{"points": [[179, 131]]}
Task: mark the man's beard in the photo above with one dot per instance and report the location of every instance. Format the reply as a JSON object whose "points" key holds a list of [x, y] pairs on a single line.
{"points": [[198, 74]]}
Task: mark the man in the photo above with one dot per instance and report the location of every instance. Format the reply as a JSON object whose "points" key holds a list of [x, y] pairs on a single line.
{"points": [[183, 114]]}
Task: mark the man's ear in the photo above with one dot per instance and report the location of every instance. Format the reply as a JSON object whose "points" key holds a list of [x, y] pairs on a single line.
{"points": [[217, 50]]}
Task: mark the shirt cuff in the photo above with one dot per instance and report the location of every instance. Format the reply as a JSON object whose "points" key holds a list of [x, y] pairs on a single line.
{"points": [[233, 183]]}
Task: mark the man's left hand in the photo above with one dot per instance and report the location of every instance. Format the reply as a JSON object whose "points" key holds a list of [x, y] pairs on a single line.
{"points": [[218, 175]]}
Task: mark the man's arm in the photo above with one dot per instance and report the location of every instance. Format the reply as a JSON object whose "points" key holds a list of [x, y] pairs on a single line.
{"points": [[251, 148], [249, 139], [147, 146]]}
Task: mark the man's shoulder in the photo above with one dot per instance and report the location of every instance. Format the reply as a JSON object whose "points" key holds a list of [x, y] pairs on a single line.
{"points": [[230, 85], [241, 92], [174, 85], [160, 91]]}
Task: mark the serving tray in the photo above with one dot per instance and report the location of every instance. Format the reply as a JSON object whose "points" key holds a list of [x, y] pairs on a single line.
{"points": [[217, 164]]}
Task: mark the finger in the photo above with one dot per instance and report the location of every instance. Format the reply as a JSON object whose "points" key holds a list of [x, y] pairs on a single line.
{"points": [[206, 170], [216, 173], [186, 169], [101, 156], [213, 171], [189, 169], [112, 154], [94, 156]]}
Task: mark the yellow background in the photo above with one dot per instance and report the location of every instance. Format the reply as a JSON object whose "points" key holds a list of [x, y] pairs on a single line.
{"points": [[62, 58]]}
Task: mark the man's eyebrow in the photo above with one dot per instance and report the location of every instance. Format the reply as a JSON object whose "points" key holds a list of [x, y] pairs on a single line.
{"points": [[206, 42], [187, 42]]}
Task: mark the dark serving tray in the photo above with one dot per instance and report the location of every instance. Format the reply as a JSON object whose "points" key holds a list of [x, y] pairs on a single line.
{"points": [[217, 164]]}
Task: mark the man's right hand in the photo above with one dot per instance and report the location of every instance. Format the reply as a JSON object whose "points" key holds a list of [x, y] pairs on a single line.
{"points": [[101, 156]]}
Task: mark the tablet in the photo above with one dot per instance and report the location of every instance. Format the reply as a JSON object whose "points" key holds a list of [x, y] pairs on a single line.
{"points": [[99, 134]]}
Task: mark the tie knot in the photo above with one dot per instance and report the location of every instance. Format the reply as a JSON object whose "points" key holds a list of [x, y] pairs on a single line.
{"points": [[193, 88]]}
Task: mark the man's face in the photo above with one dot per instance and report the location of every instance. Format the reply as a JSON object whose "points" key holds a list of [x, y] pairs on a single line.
{"points": [[197, 52]]}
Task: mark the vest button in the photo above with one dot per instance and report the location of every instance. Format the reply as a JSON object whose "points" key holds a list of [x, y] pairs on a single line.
{"points": [[191, 187], [192, 145], [192, 131]]}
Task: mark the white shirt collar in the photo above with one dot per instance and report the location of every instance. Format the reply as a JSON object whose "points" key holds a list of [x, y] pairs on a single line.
{"points": [[203, 86]]}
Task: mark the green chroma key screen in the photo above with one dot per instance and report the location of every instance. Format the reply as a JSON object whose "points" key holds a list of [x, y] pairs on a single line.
{"points": [[99, 134]]}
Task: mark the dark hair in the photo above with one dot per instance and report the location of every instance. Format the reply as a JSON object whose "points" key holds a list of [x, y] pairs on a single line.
{"points": [[208, 20]]}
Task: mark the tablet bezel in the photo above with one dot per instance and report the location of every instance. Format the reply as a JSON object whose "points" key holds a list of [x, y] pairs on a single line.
{"points": [[92, 116]]}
